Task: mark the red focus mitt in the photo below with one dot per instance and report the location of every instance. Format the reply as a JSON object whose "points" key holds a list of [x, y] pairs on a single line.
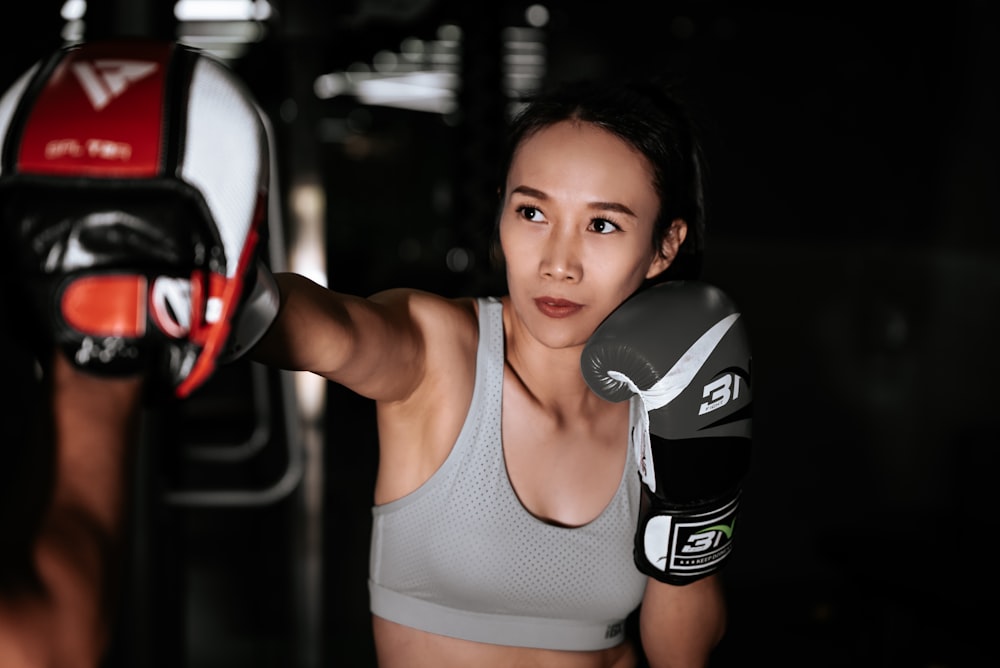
{"points": [[133, 189]]}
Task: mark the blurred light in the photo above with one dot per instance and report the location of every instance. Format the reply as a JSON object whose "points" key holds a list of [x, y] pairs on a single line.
{"points": [[458, 260], [425, 74], [357, 68], [307, 201], [412, 48], [308, 206], [224, 28], [524, 60], [385, 61], [73, 31], [222, 10], [421, 91], [330, 85], [230, 32], [537, 15], [73, 10], [311, 391], [449, 34]]}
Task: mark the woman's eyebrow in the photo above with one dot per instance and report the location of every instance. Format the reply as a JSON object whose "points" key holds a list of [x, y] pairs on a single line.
{"points": [[597, 206], [612, 206], [530, 192]]}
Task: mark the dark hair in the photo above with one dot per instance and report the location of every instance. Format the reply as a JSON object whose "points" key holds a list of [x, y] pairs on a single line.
{"points": [[653, 120]]}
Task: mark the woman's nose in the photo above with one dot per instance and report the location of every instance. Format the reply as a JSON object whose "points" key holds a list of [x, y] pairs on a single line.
{"points": [[561, 257]]}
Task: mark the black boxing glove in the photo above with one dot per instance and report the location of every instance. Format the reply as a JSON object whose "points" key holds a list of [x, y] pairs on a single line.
{"points": [[134, 179], [680, 352]]}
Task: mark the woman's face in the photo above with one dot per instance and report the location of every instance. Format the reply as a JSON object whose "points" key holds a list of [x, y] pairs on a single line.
{"points": [[576, 230]]}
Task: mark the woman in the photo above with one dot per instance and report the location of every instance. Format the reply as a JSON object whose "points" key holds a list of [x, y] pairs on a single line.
{"points": [[518, 551]]}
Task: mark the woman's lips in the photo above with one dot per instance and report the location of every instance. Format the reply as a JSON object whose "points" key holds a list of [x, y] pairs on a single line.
{"points": [[557, 308]]}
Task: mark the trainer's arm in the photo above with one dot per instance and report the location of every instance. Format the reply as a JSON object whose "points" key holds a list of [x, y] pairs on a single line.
{"points": [[62, 615]]}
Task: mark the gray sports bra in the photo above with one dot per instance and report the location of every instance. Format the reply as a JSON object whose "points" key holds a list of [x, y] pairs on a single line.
{"points": [[460, 556]]}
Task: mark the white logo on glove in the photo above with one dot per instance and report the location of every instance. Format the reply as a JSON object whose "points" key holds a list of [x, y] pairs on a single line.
{"points": [[720, 392], [105, 79]]}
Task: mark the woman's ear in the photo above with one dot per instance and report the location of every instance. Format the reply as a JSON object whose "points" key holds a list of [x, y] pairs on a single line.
{"points": [[669, 246]]}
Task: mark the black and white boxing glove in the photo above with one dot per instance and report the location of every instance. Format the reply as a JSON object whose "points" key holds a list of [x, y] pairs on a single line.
{"points": [[134, 178], [679, 351]]}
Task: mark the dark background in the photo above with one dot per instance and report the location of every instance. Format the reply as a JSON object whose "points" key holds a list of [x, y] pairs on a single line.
{"points": [[854, 171]]}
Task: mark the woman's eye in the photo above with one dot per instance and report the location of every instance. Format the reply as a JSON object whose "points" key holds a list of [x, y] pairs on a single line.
{"points": [[529, 213], [602, 226]]}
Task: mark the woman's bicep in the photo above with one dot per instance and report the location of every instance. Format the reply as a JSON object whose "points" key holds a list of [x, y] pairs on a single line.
{"points": [[368, 345]]}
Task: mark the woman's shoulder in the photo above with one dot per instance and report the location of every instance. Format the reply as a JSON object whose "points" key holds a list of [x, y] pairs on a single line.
{"points": [[439, 319], [424, 305]]}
